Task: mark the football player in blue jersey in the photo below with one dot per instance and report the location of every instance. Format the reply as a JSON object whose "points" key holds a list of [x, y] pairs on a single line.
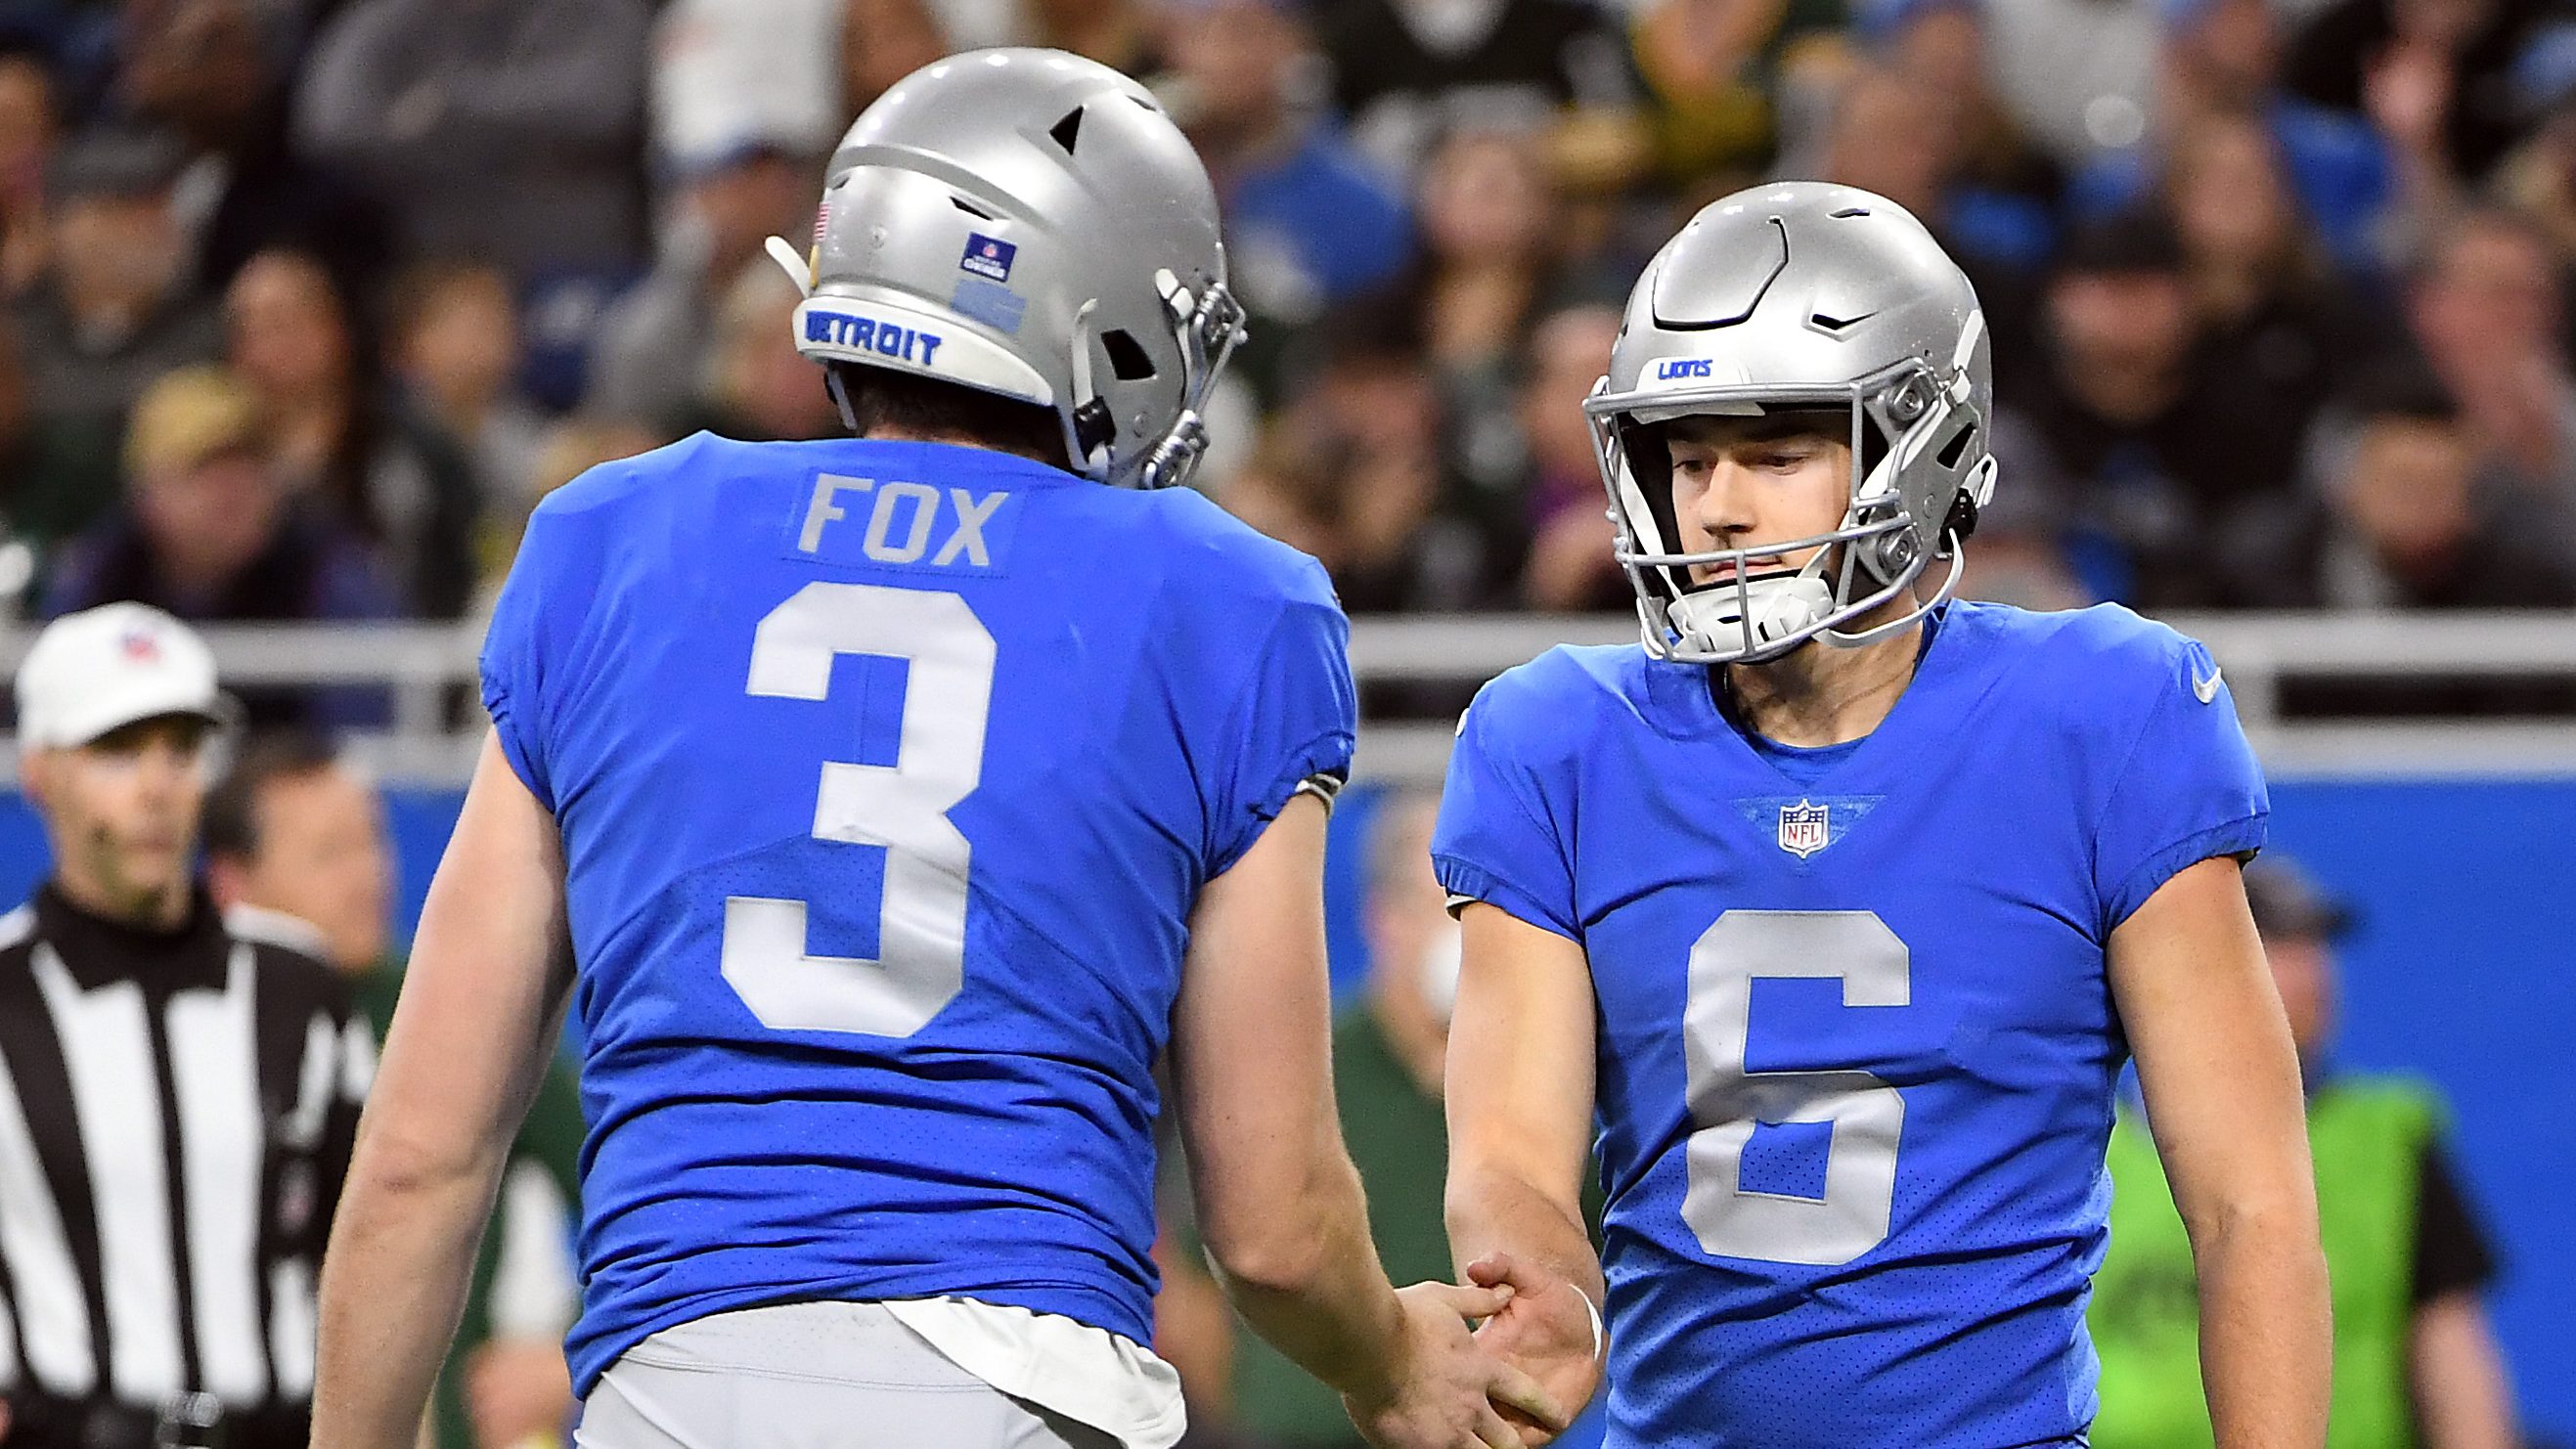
{"points": [[885, 807], [1843, 904]]}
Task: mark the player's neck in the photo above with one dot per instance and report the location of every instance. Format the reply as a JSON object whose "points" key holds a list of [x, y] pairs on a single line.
{"points": [[890, 433], [893, 433], [1822, 695]]}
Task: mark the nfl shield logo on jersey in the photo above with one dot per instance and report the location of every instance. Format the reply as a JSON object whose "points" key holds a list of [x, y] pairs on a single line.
{"points": [[1802, 828]]}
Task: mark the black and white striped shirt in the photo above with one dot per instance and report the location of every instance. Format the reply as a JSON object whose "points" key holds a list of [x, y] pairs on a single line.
{"points": [[176, 1115]]}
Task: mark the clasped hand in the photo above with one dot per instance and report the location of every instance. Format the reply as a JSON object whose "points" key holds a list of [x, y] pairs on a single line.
{"points": [[1516, 1381]]}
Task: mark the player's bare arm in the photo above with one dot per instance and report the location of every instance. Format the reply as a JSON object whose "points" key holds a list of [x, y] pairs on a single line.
{"points": [[1519, 1094], [1279, 1202], [2221, 1081], [482, 1001]]}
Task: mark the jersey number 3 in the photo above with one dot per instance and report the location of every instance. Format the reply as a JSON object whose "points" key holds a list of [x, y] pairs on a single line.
{"points": [[921, 925], [1727, 1099]]}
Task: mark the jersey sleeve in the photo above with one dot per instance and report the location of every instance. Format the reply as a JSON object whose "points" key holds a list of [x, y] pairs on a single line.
{"points": [[523, 641], [1495, 840], [2188, 789], [1293, 727]]}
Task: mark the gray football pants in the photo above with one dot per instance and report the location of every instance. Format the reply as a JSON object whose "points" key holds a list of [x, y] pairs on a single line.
{"points": [[721, 1383]]}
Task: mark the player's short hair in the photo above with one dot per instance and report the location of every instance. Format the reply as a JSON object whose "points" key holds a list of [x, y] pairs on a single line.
{"points": [[881, 397], [231, 824]]}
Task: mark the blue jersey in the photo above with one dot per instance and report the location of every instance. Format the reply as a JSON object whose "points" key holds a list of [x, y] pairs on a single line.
{"points": [[1856, 1046], [887, 776]]}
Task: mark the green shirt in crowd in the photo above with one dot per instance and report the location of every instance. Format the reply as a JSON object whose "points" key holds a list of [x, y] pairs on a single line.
{"points": [[2397, 1234]]}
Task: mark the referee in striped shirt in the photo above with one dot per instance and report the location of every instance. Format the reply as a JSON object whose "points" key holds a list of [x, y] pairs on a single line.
{"points": [[177, 1101]]}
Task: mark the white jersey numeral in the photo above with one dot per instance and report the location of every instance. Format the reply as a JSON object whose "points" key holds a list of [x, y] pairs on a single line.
{"points": [[1727, 1099], [921, 961]]}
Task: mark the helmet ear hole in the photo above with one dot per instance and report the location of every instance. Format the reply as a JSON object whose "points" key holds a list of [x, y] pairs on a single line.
{"points": [[1127, 359]]}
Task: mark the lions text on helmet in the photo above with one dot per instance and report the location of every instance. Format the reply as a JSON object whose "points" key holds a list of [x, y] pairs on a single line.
{"points": [[1783, 317], [1066, 258]]}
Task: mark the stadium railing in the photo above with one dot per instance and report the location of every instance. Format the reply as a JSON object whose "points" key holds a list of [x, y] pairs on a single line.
{"points": [[2262, 655], [429, 669]]}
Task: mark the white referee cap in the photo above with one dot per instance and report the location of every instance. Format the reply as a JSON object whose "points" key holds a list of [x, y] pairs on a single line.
{"points": [[104, 668]]}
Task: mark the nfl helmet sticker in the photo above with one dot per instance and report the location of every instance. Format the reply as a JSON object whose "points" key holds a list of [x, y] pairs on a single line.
{"points": [[1803, 828], [988, 257]]}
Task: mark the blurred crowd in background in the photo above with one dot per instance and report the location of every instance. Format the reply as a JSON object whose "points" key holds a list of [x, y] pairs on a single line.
{"points": [[308, 301]]}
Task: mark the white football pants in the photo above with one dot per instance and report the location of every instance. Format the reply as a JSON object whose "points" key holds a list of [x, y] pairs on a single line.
{"points": [[725, 1383]]}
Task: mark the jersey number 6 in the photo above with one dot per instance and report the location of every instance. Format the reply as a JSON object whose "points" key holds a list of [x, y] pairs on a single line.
{"points": [[921, 925], [1727, 1099]]}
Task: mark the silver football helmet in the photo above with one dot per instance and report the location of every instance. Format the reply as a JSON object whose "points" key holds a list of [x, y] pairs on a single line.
{"points": [[1030, 224], [1799, 296]]}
